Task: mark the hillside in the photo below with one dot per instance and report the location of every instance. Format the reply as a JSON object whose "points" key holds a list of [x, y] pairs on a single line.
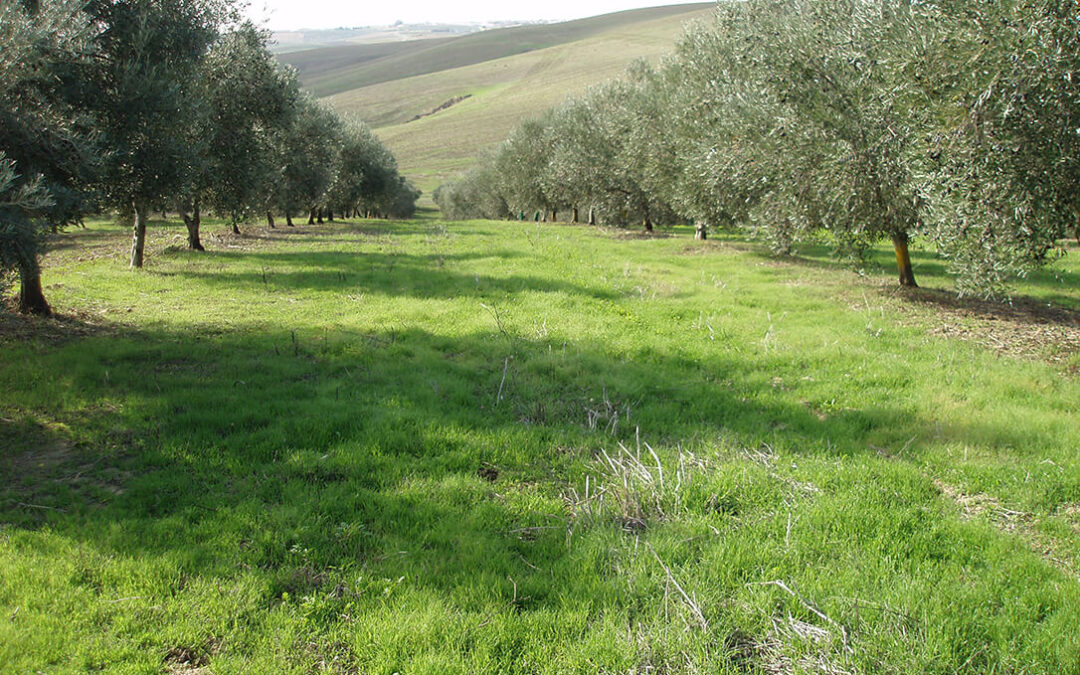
{"points": [[500, 91], [284, 42], [333, 70]]}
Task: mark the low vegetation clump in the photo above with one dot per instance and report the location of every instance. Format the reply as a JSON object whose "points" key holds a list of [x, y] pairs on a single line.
{"points": [[438, 447]]}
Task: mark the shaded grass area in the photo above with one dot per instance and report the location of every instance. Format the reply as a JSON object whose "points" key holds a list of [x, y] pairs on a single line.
{"points": [[502, 447]]}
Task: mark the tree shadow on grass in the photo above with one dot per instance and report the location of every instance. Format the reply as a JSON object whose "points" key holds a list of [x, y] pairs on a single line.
{"points": [[1019, 310], [1050, 309], [216, 423], [423, 276], [323, 465]]}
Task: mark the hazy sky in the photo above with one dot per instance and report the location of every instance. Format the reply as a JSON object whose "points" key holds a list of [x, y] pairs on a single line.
{"points": [[286, 14]]}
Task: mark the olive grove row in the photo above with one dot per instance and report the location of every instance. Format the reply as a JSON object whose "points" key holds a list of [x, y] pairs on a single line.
{"points": [[851, 121], [144, 105]]}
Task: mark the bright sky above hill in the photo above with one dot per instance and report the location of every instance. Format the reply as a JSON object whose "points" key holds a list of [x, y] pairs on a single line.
{"points": [[295, 14]]}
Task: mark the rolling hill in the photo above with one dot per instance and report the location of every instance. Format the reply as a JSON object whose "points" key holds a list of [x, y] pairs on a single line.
{"points": [[437, 102]]}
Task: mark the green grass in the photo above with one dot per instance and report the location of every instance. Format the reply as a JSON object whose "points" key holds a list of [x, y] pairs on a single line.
{"points": [[381, 447]]}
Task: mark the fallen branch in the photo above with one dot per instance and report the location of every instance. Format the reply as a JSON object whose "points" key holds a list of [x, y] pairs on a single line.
{"points": [[689, 601], [814, 610], [38, 506], [506, 366]]}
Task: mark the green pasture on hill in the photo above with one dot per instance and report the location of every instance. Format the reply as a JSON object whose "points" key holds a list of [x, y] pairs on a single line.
{"points": [[502, 89], [480, 447], [335, 69]]}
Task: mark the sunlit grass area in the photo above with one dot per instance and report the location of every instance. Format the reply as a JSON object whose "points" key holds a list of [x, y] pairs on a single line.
{"points": [[431, 447]]}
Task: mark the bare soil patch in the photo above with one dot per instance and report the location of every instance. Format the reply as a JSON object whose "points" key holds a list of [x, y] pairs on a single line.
{"points": [[1018, 523], [1023, 327], [60, 328]]}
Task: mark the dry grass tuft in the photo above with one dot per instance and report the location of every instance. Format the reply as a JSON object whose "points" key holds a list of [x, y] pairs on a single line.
{"points": [[634, 486]]}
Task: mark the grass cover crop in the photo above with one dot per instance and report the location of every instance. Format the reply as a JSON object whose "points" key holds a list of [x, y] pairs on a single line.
{"points": [[428, 447]]}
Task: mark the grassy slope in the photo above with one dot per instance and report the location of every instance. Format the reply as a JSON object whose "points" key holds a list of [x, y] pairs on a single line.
{"points": [[504, 91], [366, 448], [337, 69]]}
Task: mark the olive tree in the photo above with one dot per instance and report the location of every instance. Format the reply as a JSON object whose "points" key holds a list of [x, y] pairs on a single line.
{"points": [[521, 164], [244, 95], [476, 194], [45, 146], [1005, 184], [367, 179], [810, 128], [311, 146], [146, 102]]}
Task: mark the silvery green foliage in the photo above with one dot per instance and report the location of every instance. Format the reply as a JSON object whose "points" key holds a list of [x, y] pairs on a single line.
{"points": [[367, 175], [311, 145], [244, 95], [45, 149], [145, 92], [475, 194], [793, 116], [1004, 185], [22, 202], [522, 164], [600, 142]]}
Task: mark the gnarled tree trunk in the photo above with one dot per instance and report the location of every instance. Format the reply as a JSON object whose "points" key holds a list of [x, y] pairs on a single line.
{"points": [[270, 219], [311, 217], [235, 228], [592, 215], [31, 295], [903, 260], [193, 221], [138, 239], [701, 231], [574, 216], [288, 219], [330, 215]]}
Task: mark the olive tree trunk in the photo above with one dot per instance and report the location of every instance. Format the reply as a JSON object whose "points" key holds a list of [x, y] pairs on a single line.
{"points": [[31, 295], [701, 232], [270, 219], [903, 260], [138, 239], [193, 221], [592, 216]]}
